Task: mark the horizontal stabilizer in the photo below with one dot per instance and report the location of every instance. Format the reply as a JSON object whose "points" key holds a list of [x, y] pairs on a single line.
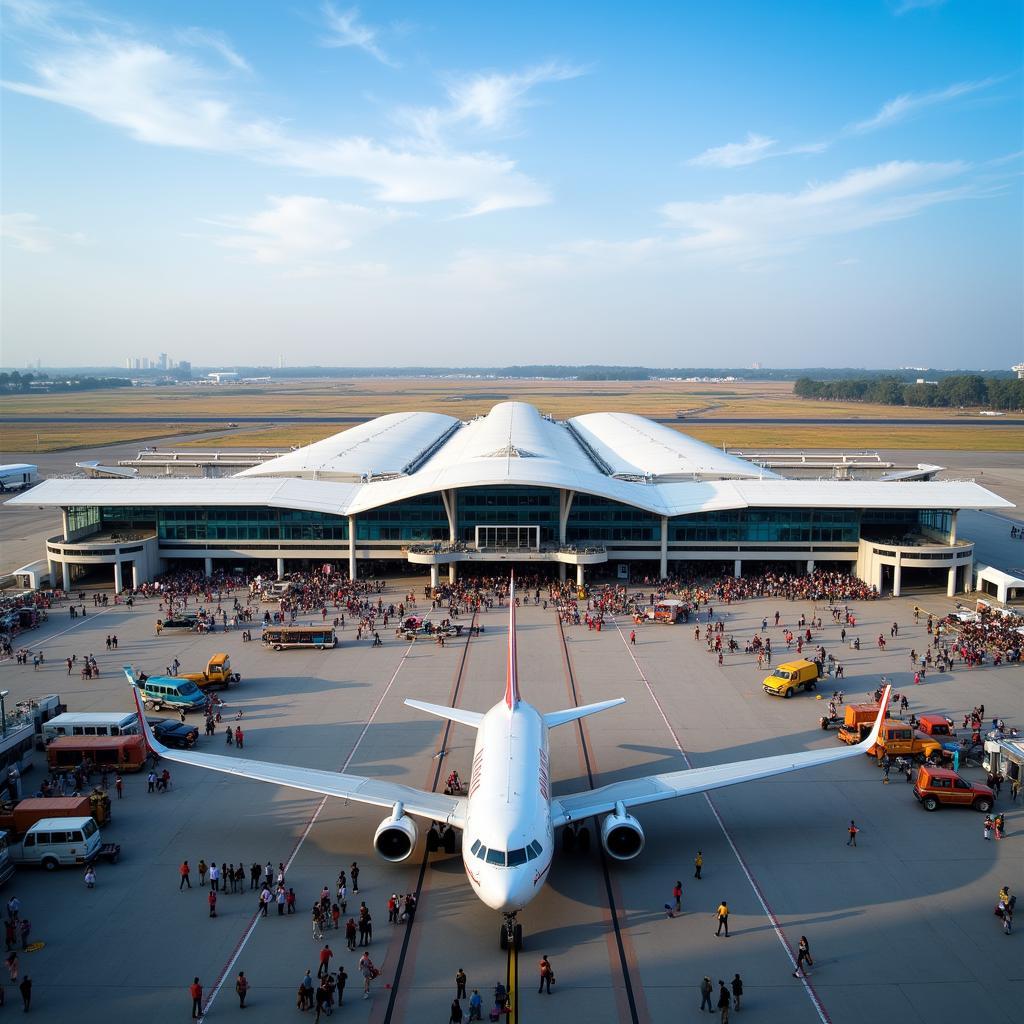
{"points": [[470, 718], [554, 718]]}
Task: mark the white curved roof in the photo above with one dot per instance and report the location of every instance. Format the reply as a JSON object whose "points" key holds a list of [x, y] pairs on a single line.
{"points": [[384, 446], [636, 446]]}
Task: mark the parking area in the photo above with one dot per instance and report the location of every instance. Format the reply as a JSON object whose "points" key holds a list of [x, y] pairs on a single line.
{"points": [[901, 925]]}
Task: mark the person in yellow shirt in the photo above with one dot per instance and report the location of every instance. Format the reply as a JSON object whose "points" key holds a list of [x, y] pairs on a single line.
{"points": [[723, 918], [698, 863]]}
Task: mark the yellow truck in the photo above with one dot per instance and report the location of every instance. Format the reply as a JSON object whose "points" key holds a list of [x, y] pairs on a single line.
{"points": [[218, 673], [792, 677]]}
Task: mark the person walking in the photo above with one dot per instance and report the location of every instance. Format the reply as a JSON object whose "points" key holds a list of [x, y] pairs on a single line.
{"points": [[737, 990], [241, 989], [460, 984], [25, 988], [195, 990], [342, 979], [211, 899], [184, 871], [368, 971], [214, 876], [706, 988], [632, 637], [455, 1017], [119, 785], [476, 1006], [852, 830], [350, 933], [723, 919], [803, 956], [354, 875], [306, 987], [723, 1001], [698, 865], [546, 975], [325, 961], [677, 895]]}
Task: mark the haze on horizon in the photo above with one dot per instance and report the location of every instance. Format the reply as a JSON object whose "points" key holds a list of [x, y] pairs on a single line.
{"points": [[794, 185]]}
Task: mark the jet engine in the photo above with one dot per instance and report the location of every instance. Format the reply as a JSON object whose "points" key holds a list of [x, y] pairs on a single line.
{"points": [[621, 835], [396, 836]]}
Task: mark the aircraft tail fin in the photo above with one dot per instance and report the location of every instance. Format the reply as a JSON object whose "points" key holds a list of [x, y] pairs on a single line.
{"points": [[553, 718], [512, 672], [470, 718]]}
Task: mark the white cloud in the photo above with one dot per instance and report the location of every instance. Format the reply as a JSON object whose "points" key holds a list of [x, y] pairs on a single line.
{"points": [[347, 30], [169, 99], [300, 233], [217, 42], [26, 232], [904, 106], [736, 154], [755, 226]]}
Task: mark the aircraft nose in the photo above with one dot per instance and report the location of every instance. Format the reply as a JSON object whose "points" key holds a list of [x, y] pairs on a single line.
{"points": [[504, 890]]}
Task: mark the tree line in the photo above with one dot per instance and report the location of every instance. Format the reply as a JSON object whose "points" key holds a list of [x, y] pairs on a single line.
{"points": [[961, 390], [16, 381]]}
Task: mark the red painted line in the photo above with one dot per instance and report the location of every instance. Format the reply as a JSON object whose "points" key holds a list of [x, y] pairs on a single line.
{"points": [[744, 867]]}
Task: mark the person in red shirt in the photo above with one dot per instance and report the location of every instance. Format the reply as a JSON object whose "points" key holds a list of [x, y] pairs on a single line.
{"points": [[184, 872], [325, 961], [195, 990], [212, 900], [239, 737]]}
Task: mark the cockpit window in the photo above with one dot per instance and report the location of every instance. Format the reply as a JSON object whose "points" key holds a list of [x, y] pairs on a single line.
{"points": [[531, 853], [536, 848], [475, 846], [496, 857], [481, 851], [516, 857]]}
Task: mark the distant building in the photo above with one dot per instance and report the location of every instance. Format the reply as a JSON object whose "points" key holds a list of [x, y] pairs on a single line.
{"points": [[1019, 370], [222, 377]]}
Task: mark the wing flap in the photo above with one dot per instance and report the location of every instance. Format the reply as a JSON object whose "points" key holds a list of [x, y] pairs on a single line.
{"points": [[553, 718], [470, 718]]}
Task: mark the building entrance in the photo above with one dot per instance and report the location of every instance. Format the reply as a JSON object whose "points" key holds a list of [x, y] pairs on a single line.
{"points": [[517, 538]]}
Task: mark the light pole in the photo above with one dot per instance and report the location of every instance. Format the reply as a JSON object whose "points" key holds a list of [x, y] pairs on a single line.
{"points": [[3, 711]]}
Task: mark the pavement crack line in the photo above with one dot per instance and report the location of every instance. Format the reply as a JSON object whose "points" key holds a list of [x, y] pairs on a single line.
{"points": [[247, 934], [812, 994]]}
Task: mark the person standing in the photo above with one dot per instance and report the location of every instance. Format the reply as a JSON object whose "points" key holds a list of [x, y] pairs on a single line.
{"points": [[455, 1017], [119, 785], [803, 956], [723, 1001], [325, 961], [25, 988], [354, 875], [723, 919], [737, 990], [241, 988], [460, 984], [350, 933], [214, 876], [342, 979], [184, 871], [195, 990], [852, 830], [677, 895], [698, 864], [632, 637], [211, 899], [546, 975], [706, 988], [254, 876]]}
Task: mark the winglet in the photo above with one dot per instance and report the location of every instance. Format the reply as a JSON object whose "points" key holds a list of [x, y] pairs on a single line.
{"points": [[883, 709], [152, 743], [512, 672]]}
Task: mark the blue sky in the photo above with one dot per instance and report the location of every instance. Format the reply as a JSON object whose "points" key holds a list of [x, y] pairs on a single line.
{"points": [[666, 184]]}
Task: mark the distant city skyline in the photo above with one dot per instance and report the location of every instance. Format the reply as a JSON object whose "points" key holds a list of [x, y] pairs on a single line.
{"points": [[313, 183]]}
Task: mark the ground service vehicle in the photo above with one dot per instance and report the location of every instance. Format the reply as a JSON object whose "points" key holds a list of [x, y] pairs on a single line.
{"points": [[94, 723], [174, 733], [17, 819], [857, 722], [935, 786], [218, 673], [670, 611], [793, 676], [170, 692], [115, 753], [181, 622], [281, 637], [898, 739], [52, 842], [937, 726]]}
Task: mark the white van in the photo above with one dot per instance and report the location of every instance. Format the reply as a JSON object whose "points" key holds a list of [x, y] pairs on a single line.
{"points": [[93, 723], [52, 842]]}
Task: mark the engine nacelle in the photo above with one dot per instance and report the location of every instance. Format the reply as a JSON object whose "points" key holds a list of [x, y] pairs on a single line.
{"points": [[396, 836], [621, 835]]}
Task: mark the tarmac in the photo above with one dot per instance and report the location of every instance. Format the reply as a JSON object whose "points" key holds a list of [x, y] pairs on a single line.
{"points": [[901, 926]]}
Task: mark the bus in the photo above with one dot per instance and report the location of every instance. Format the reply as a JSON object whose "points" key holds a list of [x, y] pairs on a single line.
{"points": [[280, 637]]}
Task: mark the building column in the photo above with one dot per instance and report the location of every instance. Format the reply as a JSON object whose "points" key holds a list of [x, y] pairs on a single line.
{"points": [[561, 571], [952, 529], [118, 581], [810, 566], [352, 568], [579, 575], [564, 508], [208, 566], [453, 572], [951, 582], [897, 577], [737, 568], [435, 575], [64, 523], [52, 566], [664, 547], [451, 511], [280, 568], [65, 577], [137, 579]]}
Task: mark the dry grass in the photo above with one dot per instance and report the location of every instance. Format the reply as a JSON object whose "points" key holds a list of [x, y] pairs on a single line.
{"points": [[853, 438], [42, 437]]}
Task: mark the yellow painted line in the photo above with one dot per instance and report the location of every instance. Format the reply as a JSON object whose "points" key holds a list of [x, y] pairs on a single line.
{"points": [[512, 986]]}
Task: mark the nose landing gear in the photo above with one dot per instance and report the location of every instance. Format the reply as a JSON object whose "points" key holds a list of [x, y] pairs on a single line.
{"points": [[511, 936]]}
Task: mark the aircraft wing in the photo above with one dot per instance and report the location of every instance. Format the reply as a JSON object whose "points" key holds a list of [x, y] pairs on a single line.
{"points": [[377, 792], [651, 789]]}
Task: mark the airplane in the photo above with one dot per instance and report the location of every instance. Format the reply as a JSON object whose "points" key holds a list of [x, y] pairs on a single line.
{"points": [[509, 817]]}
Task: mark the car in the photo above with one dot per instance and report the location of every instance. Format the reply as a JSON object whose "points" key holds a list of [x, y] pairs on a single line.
{"points": [[181, 622], [173, 733], [937, 786], [791, 677]]}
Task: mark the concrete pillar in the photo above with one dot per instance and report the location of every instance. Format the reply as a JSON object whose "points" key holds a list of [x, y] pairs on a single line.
{"points": [[897, 577], [561, 571], [353, 570], [737, 568], [137, 579], [453, 572], [118, 581], [579, 575], [208, 566], [564, 508], [663, 568], [64, 523], [52, 565], [65, 570], [952, 529], [951, 582], [280, 568], [451, 511], [810, 566], [435, 575]]}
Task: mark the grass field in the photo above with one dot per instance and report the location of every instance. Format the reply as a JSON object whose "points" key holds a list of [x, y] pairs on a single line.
{"points": [[467, 398]]}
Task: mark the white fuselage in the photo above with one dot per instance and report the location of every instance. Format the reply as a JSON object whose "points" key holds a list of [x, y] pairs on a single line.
{"points": [[508, 841]]}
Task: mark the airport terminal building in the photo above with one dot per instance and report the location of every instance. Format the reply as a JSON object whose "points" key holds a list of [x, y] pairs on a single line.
{"points": [[605, 494]]}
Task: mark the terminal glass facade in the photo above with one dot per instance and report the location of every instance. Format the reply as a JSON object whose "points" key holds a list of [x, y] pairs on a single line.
{"points": [[775, 525], [508, 506], [240, 524], [420, 518], [599, 519]]}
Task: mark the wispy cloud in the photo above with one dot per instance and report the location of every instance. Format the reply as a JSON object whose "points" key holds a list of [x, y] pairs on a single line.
{"points": [[29, 234], [909, 103], [167, 98], [755, 226], [737, 154], [906, 6], [300, 234], [345, 30], [217, 42]]}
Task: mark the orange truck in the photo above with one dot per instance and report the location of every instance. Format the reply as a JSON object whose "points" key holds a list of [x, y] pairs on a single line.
{"points": [[20, 817], [897, 739], [857, 722], [113, 753]]}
